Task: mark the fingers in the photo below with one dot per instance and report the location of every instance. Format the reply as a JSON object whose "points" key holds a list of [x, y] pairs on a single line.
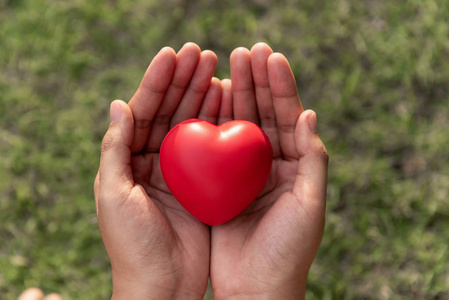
{"points": [[172, 90], [260, 53], [192, 99], [211, 104], [287, 106], [31, 294], [147, 99], [311, 182], [187, 60], [264, 92], [115, 161], [37, 294], [175, 86], [53, 296], [259, 57], [244, 100], [226, 108]]}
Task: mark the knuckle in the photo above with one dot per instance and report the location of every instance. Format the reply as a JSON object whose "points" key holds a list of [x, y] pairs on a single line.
{"points": [[142, 124], [322, 152], [268, 121], [107, 143], [162, 119]]}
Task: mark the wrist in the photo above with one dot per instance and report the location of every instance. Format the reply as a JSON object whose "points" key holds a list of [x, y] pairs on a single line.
{"points": [[150, 293], [155, 293], [273, 295], [148, 289], [265, 290]]}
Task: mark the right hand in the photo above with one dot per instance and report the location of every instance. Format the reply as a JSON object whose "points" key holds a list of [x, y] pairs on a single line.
{"points": [[267, 250]]}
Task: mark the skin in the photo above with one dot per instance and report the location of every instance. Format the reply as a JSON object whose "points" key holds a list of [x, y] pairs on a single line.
{"points": [[266, 252], [37, 294], [156, 248]]}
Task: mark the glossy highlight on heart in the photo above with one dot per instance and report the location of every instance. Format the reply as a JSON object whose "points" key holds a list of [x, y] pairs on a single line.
{"points": [[215, 172]]}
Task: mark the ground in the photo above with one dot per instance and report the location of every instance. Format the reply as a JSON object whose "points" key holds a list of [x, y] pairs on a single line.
{"points": [[376, 73]]}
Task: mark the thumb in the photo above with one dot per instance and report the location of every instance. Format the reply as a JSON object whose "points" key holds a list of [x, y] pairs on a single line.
{"points": [[311, 181], [115, 162]]}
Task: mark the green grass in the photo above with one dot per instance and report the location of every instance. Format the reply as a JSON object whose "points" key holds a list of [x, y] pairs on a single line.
{"points": [[376, 73]]}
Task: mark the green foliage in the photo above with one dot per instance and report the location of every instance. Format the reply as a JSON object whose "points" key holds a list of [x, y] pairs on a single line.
{"points": [[376, 72]]}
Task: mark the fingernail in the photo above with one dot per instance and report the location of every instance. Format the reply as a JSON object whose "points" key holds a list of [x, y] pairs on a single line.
{"points": [[313, 122], [116, 112]]}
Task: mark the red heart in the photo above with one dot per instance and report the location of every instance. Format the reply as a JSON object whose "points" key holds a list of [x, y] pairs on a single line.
{"points": [[215, 172]]}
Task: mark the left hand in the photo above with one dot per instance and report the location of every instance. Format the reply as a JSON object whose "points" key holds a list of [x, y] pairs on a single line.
{"points": [[156, 248]]}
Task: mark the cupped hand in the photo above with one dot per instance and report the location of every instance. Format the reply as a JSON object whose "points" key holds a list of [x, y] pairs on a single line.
{"points": [[266, 251], [157, 249]]}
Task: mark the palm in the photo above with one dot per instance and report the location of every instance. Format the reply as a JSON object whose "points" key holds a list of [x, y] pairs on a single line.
{"points": [[147, 173], [174, 88], [276, 237], [187, 232], [278, 232], [261, 235], [185, 240]]}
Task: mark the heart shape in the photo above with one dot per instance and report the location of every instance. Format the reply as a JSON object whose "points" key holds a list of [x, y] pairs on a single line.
{"points": [[215, 172]]}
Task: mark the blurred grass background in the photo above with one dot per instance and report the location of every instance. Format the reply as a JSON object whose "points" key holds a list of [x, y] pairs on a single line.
{"points": [[376, 72]]}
